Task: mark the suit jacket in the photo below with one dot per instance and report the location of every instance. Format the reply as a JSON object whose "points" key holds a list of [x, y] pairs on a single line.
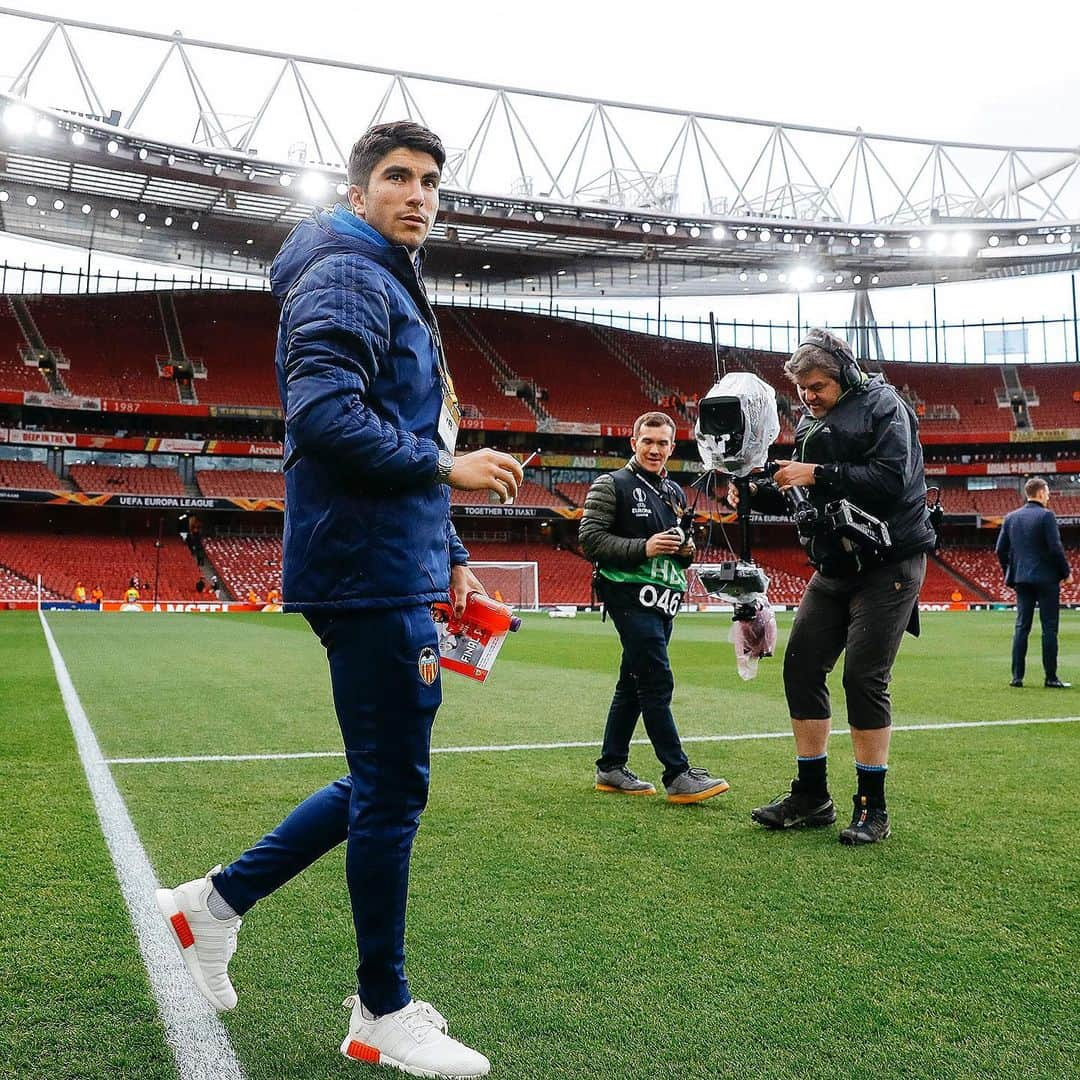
{"points": [[1029, 547]]}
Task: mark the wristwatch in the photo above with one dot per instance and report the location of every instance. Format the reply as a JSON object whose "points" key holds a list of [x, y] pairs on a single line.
{"points": [[442, 470]]}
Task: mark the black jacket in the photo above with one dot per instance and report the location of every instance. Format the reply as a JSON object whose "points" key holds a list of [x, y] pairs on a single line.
{"points": [[869, 445], [1029, 547]]}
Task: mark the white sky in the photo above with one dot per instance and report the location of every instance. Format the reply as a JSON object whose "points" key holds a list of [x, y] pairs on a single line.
{"points": [[957, 71]]}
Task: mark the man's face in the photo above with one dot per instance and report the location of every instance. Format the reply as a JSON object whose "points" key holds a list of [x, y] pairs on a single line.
{"points": [[401, 198], [652, 447], [818, 392]]}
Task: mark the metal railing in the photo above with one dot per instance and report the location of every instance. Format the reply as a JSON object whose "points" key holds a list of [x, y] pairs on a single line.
{"points": [[988, 341]]}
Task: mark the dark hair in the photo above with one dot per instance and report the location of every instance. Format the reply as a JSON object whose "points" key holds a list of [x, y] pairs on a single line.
{"points": [[380, 140], [654, 419], [1034, 486]]}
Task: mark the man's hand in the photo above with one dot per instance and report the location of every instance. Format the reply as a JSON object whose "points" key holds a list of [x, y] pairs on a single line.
{"points": [[794, 474], [487, 470], [462, 582], [731, 495], [1067, 581], [662, 543], [687, 550]]}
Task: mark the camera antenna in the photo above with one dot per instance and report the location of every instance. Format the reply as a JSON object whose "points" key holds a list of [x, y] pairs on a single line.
{"points": [[716, 348]]}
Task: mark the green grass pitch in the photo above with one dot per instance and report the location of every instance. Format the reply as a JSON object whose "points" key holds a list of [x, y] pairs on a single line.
{"points": [[564, 933]]}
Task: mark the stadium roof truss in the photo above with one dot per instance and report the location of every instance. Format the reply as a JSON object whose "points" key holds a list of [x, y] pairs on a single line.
{"points": [[233, 146]]}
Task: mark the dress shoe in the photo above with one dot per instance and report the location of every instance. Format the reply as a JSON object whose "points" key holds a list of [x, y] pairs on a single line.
{"points": [[1017, 682], [1057, 684]]}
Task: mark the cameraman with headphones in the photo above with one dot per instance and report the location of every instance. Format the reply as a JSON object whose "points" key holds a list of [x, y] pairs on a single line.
{"points": [[858, 441]]}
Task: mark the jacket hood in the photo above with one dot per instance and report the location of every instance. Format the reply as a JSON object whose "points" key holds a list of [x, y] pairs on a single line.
{"points": [[311, 239]]}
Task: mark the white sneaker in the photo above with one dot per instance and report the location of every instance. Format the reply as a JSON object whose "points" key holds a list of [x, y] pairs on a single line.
{"points": [[413, 1039], [206, 943]]}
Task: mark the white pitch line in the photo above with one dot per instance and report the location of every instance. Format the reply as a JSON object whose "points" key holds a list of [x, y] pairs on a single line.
{"points": [[501, 747], [196, 1037]]}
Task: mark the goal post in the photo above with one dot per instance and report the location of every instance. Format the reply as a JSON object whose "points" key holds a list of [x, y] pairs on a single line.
{"points": [[514, 583]]}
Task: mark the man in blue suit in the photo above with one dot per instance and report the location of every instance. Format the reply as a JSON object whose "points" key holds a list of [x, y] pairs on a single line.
{"points": [[1030, 552]]}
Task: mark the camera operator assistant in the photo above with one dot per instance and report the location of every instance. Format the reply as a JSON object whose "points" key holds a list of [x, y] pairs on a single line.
{"points": [[632, 529], [858, 493]]}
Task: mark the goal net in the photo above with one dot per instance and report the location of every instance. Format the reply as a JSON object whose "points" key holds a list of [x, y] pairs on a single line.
{"points": [[513, 583]]}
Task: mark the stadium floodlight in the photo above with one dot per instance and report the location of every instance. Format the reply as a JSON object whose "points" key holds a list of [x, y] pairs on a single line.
{"points": [[874, 280], [171, 159], [764, 236], [457, 275], [19, 119], [839, 279], [342, 189], [141, 218], [313, 185], [1066, 238], [669, 230], [285, 180], [879, 241], [646, 227], [559, 273], [802, 277], [168, 221], [718, 232], [4, 196], [58, 204], [44, 127], [1050, 238], [993, 241], [961, 243], [249, 241], [114, 213], [194, 226], [782, 278], [486, 266], [740, 234], [787, 238], [236, 251], [820, 279], [86, 208], [112, 146], [695, 232], [857, 279], [1022, 239], [808, 238], [915, 242], [77, 138], [217, 167], [31, 200], [763, 277], [855, 241], [538, 215], [937, 243], [143, 153], [743, 276]]}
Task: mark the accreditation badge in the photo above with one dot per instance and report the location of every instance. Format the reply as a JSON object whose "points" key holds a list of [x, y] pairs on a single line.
{"points": [[449, 421]]}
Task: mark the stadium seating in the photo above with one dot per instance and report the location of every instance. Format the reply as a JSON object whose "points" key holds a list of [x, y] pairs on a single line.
{"points": [[111, 343], [129, 481], [246, 562], [1055, 384], [108, 561], [235, 335], [979, 566], [16, 587], [30, 476], [529, 494], [14, 374], [475, 380], [584, 381], [240, 483]]}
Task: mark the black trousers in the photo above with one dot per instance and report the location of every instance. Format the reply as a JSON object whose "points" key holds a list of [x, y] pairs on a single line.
{"points": [[862, 616], [644, 689], [1048, 599]]}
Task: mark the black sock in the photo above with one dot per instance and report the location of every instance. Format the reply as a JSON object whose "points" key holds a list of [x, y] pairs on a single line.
{"points": [[812, 774], [872, 783]]}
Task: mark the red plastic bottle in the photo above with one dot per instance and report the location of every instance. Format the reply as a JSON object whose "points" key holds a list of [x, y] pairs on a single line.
{"points": [[481, 618]]}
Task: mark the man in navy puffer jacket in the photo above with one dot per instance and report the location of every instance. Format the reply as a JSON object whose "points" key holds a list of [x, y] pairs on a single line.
{"points": [[370, 425]]}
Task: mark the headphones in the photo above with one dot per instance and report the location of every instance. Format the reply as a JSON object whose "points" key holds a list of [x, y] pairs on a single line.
{"points": [[851, 375]]}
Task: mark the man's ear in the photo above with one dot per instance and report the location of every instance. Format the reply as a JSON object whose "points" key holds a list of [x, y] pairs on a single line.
{"points": [[356, 199]]}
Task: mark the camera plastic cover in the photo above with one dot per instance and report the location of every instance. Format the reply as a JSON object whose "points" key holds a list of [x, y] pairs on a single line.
{"points": [[737, 423]]}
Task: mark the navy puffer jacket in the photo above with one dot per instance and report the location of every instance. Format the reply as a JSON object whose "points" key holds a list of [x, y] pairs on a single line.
{"points": [[366, 523]]}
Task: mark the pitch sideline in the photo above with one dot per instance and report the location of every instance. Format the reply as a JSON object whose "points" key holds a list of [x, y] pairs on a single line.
{"points": [[503, 747], [198, 1040]]}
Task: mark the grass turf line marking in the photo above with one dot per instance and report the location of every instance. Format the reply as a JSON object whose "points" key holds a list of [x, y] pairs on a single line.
{"points": [[196, 1037], [748, 737]]}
